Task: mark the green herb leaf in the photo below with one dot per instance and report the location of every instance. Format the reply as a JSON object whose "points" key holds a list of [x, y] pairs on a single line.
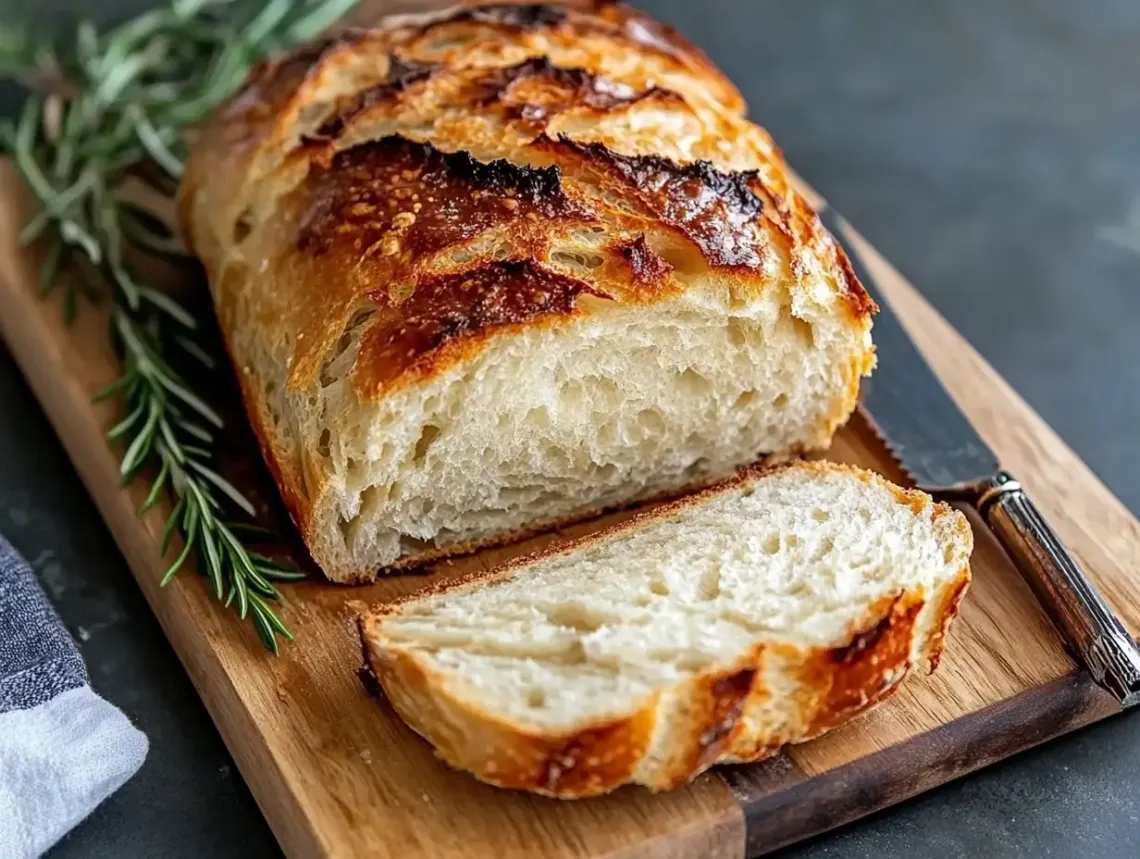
{"points": [[114, 389], [173, 569], [123, 427], [171, 524], [168, 306], [155, 489], [195, 351], [51, 266], [121, 99], [225, 486]]}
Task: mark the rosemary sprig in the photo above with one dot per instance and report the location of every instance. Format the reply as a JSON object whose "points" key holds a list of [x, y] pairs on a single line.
{"points": [[93, 116]]}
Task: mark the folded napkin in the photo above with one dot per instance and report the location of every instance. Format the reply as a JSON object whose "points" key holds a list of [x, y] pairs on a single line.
{"points": [[63, 749]]}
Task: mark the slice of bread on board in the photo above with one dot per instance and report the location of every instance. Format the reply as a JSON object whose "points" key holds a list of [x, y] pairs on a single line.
{"points": [[762, 611]]}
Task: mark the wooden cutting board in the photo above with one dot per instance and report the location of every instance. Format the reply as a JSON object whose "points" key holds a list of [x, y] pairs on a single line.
{"points": [[338, 775]]}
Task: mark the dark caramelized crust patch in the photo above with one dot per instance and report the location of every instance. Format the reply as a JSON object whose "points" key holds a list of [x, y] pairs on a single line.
{"points": [[948, 612], [858, 299], [870, 668], [398, 199], [727, 696], [402, 74], [616, 21], [717, 210], [447, 308], [645, 266], [522, 16], [586, 763], [863, 641], [536, 88]]}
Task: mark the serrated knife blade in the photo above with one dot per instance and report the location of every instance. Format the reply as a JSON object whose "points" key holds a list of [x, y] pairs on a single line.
{"points": [[913, 413], [933, 440]]}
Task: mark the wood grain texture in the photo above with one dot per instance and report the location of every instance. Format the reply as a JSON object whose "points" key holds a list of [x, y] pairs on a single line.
{"points": [[337, 774], [783, 803]]}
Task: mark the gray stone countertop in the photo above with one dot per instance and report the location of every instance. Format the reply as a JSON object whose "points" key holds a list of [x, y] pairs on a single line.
{"points": [[991, 149]]}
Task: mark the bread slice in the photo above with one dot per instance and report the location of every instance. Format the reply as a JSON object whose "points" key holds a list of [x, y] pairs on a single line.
{"points": [[760, 612], [497, 269]]}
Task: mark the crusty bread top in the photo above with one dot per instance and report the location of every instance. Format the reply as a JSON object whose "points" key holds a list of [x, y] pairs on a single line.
{"points": [[441, 179]]}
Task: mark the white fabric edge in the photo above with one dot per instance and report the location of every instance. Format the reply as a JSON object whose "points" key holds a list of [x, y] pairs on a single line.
{"points": [[58, 761]]}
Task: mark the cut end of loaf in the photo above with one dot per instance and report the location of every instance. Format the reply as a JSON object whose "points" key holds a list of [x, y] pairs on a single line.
{"points": [[610, 408], [763, 611]]}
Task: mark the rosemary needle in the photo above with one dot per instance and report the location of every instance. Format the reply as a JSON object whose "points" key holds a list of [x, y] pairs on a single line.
{"points": [[94, 113]]}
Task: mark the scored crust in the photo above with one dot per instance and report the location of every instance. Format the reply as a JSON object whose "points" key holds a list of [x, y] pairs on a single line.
{"points": [[726, 714], [366, 184]]}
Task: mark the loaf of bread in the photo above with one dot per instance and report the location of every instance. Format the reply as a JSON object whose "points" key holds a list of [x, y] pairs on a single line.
{"points": [[716, 629], [503, 267]]}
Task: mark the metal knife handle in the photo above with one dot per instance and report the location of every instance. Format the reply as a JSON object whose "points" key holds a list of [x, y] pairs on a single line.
{"points": [[1076, 606]]}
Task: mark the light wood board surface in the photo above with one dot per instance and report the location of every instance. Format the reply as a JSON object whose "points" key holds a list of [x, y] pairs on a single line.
{"points": [[337, 774]]}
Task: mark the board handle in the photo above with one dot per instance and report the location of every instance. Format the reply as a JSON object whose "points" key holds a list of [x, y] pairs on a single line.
{"points": [[1076, 606]]}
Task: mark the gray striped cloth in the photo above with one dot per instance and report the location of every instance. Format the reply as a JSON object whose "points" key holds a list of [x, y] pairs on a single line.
{"points": [[63, 749]]}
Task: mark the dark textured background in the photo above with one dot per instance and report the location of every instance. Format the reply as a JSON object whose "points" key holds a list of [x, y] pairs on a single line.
{"points": [[991, 149]]}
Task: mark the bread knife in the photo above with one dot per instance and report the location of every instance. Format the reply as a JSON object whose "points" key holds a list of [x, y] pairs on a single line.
{"points": [[937, 446]]}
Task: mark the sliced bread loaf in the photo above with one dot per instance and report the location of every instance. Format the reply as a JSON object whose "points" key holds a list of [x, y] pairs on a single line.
{"points": [[760, 612], [486, 272]]}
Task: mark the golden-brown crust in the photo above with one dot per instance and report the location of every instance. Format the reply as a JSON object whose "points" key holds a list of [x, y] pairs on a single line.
{"points": [[946, 612], [395, 198], [535, 88], [471, 303], [365, 673], [720, 703], [715, 209], [585, 762], [858, 299], [711, 717], [276, 89], [624, 24], [645, 267], [531, 92], [865, 671], [401, 74], [520, 16], [648, 33]]}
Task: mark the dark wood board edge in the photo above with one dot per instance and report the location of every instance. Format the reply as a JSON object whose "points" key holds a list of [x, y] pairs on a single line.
{"points": [[782, 804], [31, 329], [722, 835]]}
